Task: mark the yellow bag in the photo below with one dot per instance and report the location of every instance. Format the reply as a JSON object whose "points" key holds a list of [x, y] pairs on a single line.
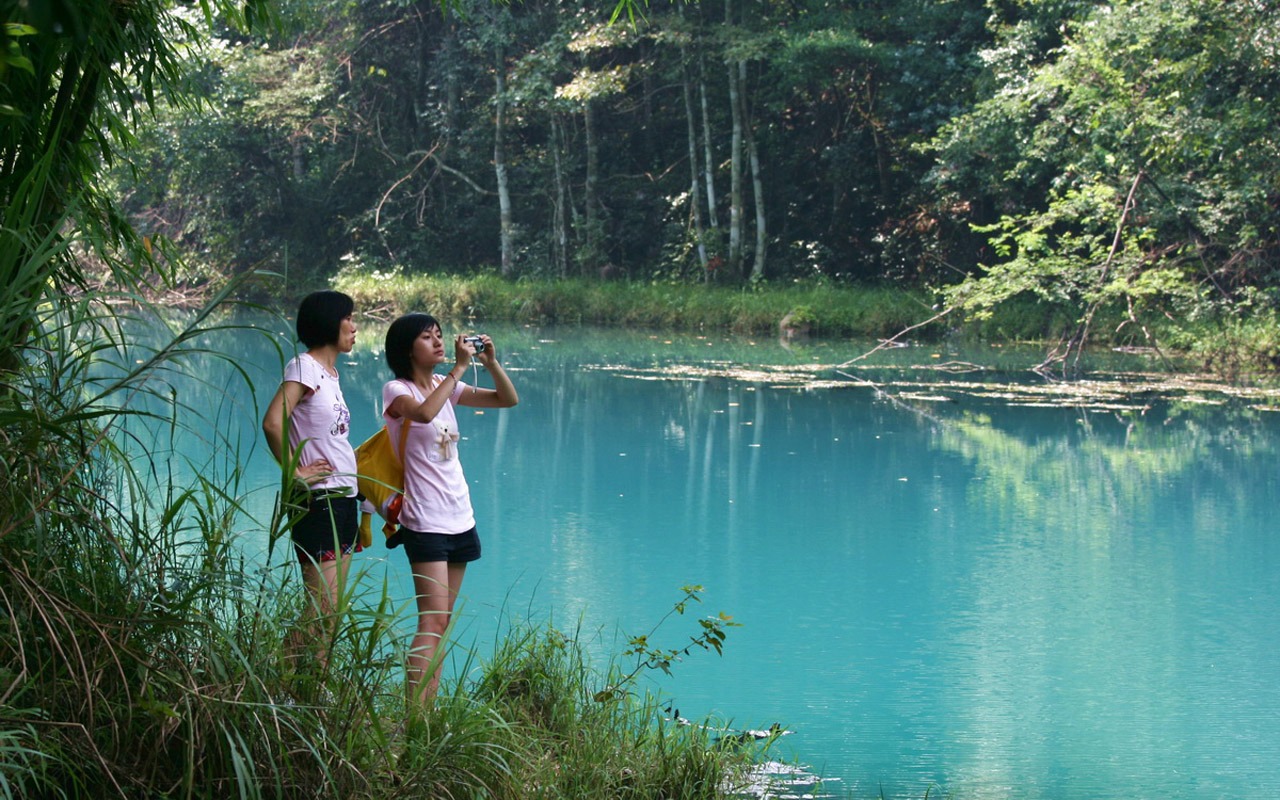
{"points": [[380, 478]]}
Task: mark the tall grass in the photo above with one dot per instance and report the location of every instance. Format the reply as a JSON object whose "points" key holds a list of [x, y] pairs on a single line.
{"points": [[595, 743], [826, 310]]}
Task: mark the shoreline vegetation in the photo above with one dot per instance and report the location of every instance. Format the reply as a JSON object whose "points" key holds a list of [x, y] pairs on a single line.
{"points": [[1232, 347], [820, 309]]}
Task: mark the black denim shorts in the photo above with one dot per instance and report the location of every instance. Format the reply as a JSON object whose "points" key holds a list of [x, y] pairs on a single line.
{"points": [[328, 530], [455, 548]]}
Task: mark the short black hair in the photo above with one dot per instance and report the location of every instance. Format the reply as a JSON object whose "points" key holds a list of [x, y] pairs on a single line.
{"points": [[400, 338], [320, 316]]}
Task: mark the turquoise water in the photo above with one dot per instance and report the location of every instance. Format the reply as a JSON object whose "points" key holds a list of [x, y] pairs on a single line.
{"points": [[948, 579]]}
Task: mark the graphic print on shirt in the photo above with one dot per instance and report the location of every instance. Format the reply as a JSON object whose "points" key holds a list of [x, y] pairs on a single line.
{"points": [[341, 418], [443, 447]]}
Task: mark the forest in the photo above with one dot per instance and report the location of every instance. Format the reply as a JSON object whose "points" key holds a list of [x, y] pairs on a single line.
{"points": [[1113, 158]]}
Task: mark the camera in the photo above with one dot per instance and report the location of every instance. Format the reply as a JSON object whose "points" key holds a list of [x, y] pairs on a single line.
{"points": [[476, 341]]}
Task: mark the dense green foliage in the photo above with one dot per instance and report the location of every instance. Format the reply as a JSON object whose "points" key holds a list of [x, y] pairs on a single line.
{"points": [[1102, 157], [1130, 166], [373, 134]]}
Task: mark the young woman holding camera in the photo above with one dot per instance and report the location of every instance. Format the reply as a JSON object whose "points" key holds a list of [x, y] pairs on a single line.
{"points": [[437, 523]]}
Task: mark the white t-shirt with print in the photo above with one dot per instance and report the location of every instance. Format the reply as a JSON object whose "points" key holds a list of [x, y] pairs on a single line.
{"points": [[321, 422], [437, 498]]}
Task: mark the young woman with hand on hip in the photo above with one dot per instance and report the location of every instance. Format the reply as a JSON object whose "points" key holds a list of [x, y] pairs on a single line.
{"points": [[437, 523], [309, 405]]}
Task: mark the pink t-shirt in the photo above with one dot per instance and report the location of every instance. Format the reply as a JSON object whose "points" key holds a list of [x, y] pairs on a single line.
{"points": [[436, 496], [320, 423]]}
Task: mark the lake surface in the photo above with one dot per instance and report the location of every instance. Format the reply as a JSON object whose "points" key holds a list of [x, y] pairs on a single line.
{"points": [[952, 576]]}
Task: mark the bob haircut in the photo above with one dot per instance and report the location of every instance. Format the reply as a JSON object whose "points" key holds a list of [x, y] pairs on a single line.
{"points": [[320, 316], [400, 338]]}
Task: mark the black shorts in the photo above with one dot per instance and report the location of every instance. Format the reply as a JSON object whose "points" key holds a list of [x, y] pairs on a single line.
{"points": [[328, 530], [455, 548]]}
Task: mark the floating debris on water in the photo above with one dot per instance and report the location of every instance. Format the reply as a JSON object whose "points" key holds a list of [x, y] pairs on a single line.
{"points": [[773, 780], [1122, 392]]}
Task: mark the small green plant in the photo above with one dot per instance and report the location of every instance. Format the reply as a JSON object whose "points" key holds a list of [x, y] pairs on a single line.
{"points": [[802, 315], [650, 657]]}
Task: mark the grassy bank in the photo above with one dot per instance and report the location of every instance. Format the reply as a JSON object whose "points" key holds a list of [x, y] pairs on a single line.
{"points": [[110, 695], [823, 310]]}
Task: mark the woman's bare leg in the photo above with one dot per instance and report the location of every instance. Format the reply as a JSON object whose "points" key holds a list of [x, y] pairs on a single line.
{"points": [[325, 582], [436, 585]]}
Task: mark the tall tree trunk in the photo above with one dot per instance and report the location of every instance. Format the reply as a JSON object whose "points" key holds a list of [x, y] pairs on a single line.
{"points": [[421, 68], [560, 219], [453, 86], [762, 234], [500, 164], [709, 162], [593, 223], [695, 198], [877, 127], [735, 158], [735, 174], [757, 180]]}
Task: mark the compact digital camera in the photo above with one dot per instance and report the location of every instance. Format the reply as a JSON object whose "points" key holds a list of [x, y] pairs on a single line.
{"points": [[476, 341]]}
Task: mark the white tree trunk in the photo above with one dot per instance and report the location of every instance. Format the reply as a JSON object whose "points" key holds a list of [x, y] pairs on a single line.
{"points": [[708, 157], [500, 166], [757, 180], [594, 232], [735, 176], [561, 233], [695, 199]]}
